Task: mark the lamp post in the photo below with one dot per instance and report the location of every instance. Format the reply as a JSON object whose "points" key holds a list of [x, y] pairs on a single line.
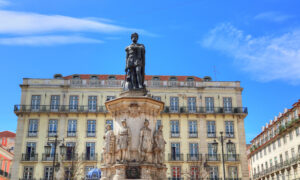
{"points": [[222, 145], [48, 147]]}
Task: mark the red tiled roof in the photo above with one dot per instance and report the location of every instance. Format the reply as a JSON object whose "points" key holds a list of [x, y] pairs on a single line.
{"points": [[7, 134], [121, 77]]}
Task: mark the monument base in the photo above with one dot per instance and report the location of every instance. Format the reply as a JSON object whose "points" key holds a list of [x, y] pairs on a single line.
{"points": [[134, 93]]}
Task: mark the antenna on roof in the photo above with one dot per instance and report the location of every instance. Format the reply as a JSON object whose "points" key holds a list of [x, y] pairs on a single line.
{"points": [[215, 72]]}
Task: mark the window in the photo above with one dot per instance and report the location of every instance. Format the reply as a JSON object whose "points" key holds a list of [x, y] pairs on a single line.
{"points": [[280, 158], [52, 128], [192, 104], [28, 172], [173, 81], [175, 152], [291, 135], [227, 103], [193, 132], [92, 103], [72, 128], [229, 128], [286, 155], [293, 152], [284, 139], [271, 163], [90, 151], [175, 128], [231, 151], [297, 131], [269, 148], [274, 145], [275, 160], [158, 98], [298, 149], [209, 104], [279, 142], [212, 151], [111, 123], [48, 173], [194, 152], [30, 151], [265, 151], [158, 123], [108, 98], [91, 128], [260, 154], [73, 104], [211, 128], [266, 165], [233, 172], [176, 172], [68, 173], [174, 104], [194, 173], [70, 151], [33, 127], [213, 172], [54, 104], [35, 102], [155, 81]]}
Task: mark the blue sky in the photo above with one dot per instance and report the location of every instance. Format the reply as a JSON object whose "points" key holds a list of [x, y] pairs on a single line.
{"points": [[256, 42]]}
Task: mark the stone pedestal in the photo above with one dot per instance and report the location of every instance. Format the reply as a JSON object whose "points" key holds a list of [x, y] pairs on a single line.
{"points": [[134, 106]]}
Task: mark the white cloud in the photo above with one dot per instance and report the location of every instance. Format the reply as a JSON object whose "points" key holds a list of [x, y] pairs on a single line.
{"points": [[272, 16], [12, 22], [46, 40], [266, 58]]}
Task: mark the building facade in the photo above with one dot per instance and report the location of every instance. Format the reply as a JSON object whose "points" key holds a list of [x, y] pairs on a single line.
{"points": [[275, 152], [7, 145], [72, 108]]}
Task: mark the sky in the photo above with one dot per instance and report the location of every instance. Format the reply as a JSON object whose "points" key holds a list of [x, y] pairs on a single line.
{"points": [[256, 42]]}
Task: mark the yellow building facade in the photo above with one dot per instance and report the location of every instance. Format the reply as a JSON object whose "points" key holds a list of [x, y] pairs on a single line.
{"points": [[73, 109]]}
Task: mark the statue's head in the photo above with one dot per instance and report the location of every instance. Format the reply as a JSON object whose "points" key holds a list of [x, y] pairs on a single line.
{"points": [[134, 37], [124, 122], [146, 123], [108, 127]]}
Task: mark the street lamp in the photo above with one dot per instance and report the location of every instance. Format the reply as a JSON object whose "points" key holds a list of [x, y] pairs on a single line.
{"points": [[215, 143], [48, 148]]}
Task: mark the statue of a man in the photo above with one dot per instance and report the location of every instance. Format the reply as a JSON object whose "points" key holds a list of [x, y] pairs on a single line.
{"points": [[145, 146], [123, 142], [159, 145], [135, 62], [109, 145]]}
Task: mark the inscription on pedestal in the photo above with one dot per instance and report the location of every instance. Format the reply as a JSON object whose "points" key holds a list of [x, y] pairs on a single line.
{"points": [[133, 172]]}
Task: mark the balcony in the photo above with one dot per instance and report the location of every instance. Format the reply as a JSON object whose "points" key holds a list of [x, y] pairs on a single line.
{"points": [[194, 157], [233, 178], [30, 157], [205, 110], [70, 157], [71, 133], [175, 178], [175, 157], [89, 157], [27, 179], [58, 109], [193, 134], [32, 133], [231, 157], [175, 134], [49, 157], [212, 157]]}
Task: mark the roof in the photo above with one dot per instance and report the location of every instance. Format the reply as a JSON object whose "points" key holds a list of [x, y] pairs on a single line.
{"points": [[7, 134], [122, 77]]}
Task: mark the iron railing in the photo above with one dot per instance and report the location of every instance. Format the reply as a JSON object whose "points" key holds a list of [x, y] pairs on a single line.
{"points": [[175, 157], [231, 157], [70, 157], [206, 110], [89, 157], [212, 157], [194, 157], [30, 157], [49, 157], [59, 109]]}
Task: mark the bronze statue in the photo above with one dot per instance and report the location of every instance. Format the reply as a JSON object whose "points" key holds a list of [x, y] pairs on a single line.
{"points": [[135, 64]]}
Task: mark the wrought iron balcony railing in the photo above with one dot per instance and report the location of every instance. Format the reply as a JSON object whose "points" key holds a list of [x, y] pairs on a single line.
{"points": [[212, 157], [59, 109], [175, 157], [27, 179], [89, 157], [206, 110], [175, 178], [30, 157], [49, 157], [231, 157], [70, 157], [194, 157]]}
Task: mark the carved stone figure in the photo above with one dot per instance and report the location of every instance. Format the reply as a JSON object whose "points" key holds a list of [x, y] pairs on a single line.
{"points": [[123, 142], [159, 145], [135, 63], [109, 145], [145, 146]]}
